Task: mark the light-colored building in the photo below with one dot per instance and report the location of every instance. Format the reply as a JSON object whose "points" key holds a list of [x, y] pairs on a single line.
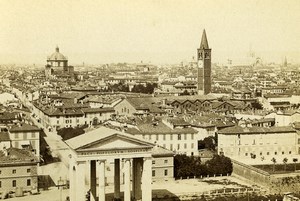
{"points": [[25, 136], [162, 164], [181, 140], [132, 158], [18, 170], [254, 142]]}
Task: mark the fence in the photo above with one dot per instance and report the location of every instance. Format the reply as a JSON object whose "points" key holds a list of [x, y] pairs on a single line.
{"points": [[210, 194], [202, 176]]}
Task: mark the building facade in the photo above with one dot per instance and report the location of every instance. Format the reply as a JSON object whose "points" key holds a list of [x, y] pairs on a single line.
{"points": [[18, 170], [257, 142]]}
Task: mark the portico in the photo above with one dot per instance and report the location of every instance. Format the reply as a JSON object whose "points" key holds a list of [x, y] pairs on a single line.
{"points": [[94, 149]]}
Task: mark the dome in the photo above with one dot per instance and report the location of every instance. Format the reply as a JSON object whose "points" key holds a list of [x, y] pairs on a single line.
{"points": [[57, 56]]}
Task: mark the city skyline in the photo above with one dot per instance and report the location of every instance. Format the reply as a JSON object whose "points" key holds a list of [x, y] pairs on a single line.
{"points": [[151, 31]]}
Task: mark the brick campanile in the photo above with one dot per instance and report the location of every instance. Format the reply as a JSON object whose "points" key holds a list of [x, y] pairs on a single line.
{"points": [[204, 66]]}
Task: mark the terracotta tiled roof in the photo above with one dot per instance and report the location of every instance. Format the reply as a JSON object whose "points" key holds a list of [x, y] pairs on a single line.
{"points": [[16, 156], [23, 127], [256, 130], [158, 151]]}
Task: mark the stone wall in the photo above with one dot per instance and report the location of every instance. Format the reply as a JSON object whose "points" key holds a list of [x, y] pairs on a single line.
{"points": [[251, 173]]}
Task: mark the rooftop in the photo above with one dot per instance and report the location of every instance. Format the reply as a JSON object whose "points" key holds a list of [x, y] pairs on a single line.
{"points": [[256, 130], [23, 127]]}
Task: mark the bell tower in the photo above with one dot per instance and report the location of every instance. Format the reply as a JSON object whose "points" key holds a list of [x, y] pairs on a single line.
{"points": [[204, 66]]}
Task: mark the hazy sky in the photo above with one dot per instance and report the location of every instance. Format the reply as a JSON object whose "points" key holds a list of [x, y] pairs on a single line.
{"points": [[160, 31]]}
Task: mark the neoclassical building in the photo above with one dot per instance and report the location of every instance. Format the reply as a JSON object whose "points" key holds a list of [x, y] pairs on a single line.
{"points": [[95, 150], [258, 142]]}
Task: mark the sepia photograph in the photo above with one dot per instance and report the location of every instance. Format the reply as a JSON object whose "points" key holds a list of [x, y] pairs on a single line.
{"points": [[150, 100]]}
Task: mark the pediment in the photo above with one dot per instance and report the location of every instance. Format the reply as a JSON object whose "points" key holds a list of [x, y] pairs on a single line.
{"points": [[116, 141]]}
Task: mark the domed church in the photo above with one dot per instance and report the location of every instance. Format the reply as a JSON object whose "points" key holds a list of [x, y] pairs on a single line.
{"points": [[57, 66]]}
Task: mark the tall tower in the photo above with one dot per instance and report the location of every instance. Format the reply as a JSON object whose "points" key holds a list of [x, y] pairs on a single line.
{"points": [[204, 66]]}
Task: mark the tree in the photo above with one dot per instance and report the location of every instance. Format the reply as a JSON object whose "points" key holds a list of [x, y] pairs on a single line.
{"points": [[274, 162], [295, 160], [207, 143], [219, 164], [285, 160]]}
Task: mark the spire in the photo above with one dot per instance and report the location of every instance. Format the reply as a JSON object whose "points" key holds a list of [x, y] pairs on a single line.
{"points": [[204, 43], [57, 49]]}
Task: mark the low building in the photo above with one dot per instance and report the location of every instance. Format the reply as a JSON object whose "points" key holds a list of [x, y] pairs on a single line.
{"points": [[18, 170], [162, 164], [254, 142]]}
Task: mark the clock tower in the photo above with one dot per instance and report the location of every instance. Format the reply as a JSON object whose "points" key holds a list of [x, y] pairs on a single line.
{"points": [[204, 66]]}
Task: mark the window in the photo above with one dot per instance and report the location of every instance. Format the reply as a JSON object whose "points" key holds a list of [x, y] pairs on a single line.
{"points": [[290, 152], [28, 182], [179, 137], [164, 137], [164, 145], [260, 153], [185, 137], [14, 183], [166, 161], [275, 153], [192, 136], [17, 135], [14, 171], [166, 172], [253, 142], [17, 144], [246, 154], [153, 173], [192, 145], [25, 136], [28, 170], [57, 122], [268, 153], [171, 137], [185, 145], [171, 147], [0, 184], [178, 146], [149, 137], [157, 137], [153, 162], [283, 153]]}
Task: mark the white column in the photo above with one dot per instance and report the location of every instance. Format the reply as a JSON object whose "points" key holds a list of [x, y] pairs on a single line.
{"points": [[127, 186], [72, 179], [147, 180], [93, 180], [80, 181], [117, 180], [101, 180], [136, 178]]}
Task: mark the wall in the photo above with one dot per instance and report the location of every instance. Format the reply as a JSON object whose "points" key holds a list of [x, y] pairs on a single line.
{"points": [[20, 176], [251, 173], [159, 165]]}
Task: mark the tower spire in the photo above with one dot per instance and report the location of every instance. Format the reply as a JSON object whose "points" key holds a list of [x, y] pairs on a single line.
{"points": [[204, 43]]}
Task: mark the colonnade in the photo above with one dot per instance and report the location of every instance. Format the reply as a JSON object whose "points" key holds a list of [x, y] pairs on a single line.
{"points": [[139, 189]]}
